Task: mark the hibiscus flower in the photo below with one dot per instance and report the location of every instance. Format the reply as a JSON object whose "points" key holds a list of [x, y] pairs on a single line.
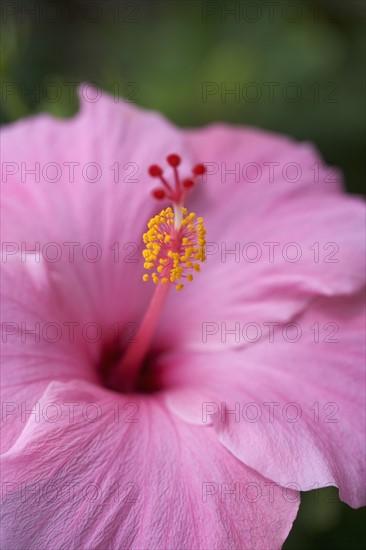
{"points": [[149, 405]]}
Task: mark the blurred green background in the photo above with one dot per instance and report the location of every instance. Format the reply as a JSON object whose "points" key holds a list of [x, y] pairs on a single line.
{"points": [[295, 67]]}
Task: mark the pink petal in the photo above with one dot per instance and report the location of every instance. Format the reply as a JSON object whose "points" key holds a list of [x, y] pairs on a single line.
{"points": [[118, 140], [116, 483], [316, 233], [39, 341], [299, 407]]}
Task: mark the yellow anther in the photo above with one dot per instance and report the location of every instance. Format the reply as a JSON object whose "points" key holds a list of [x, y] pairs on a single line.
{"points": [[172, 253], [145, 277]]}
